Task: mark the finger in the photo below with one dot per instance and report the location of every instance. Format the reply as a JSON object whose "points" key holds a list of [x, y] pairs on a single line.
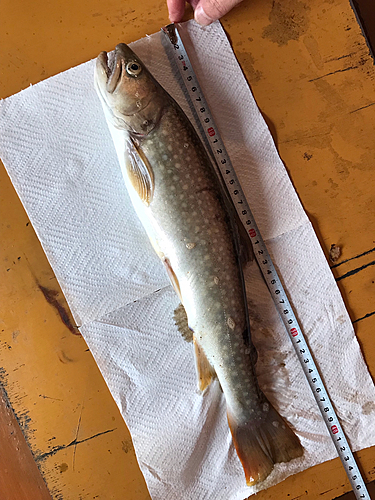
{"points": [[176, 10], [208, 11]]}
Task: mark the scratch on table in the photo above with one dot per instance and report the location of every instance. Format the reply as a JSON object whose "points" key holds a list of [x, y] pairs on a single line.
{"points": [[355, 271], [77, 431], [54, 450], [333, 73]]}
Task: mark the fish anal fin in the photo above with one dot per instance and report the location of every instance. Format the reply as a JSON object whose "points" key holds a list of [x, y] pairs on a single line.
{"points": [[206, 373], [262, 443], [140, 172], [181, 320]]}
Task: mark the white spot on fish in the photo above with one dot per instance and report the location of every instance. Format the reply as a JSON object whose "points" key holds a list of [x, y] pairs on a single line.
{"points": [[165, 157], [190, 246], [185, 187], [207, 256], [232, 325], [177, 165], [197, 228], [216, 280], [275, 423], [175, 177], [169, 148], [186, 145], [266, 407]]}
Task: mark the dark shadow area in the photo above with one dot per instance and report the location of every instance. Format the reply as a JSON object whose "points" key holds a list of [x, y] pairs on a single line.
{"points": [[365, 13]]}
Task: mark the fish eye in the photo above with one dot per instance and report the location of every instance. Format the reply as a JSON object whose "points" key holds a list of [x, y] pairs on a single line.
{"points": [[133, 68]]}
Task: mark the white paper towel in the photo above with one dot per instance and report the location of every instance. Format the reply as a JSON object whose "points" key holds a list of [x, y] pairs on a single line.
{"points": [[58, 152]]}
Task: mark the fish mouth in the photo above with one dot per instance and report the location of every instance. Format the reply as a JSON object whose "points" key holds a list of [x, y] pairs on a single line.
{"points": [[112, 64]]}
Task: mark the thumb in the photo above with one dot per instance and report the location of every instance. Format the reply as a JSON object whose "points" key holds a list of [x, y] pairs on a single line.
{"points": [[208, 11]]}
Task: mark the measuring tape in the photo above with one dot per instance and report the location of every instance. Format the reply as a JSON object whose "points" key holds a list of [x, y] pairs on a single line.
{"points": [[271, 277]]}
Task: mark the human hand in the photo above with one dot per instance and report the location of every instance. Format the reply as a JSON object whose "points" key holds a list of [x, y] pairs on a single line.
{"points": [[205, 11]]}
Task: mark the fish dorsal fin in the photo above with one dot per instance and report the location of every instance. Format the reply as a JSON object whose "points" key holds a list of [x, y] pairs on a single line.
{"points": [[245, 246], [140, 172], [206, 373], [181, 320]]}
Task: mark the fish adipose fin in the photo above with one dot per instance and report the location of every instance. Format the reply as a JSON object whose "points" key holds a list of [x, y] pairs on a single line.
{"points": [[263, 443], [206, 373], [181, 320], [139, 172]]}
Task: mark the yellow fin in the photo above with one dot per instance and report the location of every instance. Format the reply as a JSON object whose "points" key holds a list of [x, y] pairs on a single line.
{"points": [[206, 373], [172, 276], [140, 172], [262, 443]]}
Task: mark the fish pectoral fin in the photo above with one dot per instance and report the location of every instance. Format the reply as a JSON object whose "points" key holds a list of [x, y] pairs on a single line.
{"points": [[263, 442], [181, 320], [140, 172], [205, 371]]}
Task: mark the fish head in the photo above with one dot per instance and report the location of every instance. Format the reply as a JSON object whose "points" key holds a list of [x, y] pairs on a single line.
{"points": [[129, 92]]}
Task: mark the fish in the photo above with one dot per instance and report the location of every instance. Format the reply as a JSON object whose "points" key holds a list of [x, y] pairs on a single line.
{"points": [[191, 223]]}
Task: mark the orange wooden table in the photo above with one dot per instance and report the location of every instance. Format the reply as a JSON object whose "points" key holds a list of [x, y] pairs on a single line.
{"points": [[312, 76]]}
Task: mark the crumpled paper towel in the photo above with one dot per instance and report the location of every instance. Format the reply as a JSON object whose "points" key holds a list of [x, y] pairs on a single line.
{"points": [[57, 149]]}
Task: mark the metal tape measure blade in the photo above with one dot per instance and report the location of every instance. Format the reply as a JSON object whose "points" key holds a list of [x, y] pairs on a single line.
{"points": [[266, 265]]}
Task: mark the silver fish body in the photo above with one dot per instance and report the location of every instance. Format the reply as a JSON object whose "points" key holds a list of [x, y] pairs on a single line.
{"points": [[191, 225]]}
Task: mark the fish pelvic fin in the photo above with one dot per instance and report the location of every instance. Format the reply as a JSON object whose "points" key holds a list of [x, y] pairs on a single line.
{"points": [[205, 371], [262, 443]]}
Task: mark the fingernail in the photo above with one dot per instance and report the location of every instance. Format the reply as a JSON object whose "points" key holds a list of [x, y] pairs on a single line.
{"points": [[201, 17]]}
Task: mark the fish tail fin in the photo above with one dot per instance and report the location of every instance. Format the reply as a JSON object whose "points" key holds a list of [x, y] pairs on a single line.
{"points": [[260, 444]]}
